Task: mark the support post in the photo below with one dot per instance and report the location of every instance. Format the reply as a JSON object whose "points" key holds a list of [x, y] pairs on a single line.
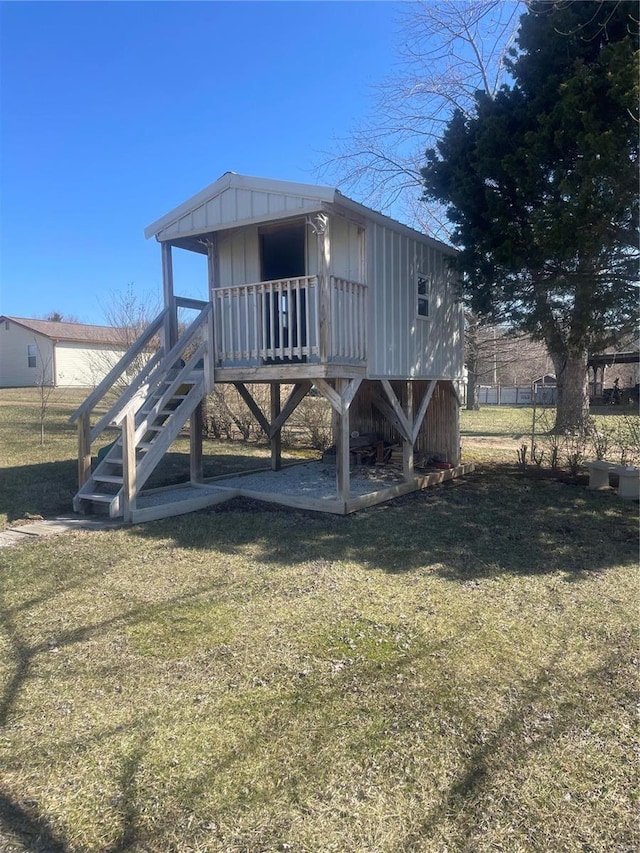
{"points": [[342, 435], [171, 323], [407, 445], [212, 276], [276, 437], [195, 443], [320, 224], [128, 466], [457, 450], [84, 448]]}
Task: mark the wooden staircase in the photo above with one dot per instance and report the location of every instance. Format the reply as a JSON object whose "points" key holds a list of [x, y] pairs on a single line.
{"points": [[149, 414]]}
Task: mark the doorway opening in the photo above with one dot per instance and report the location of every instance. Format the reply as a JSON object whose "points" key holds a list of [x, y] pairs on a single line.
{"points": [[282, 255]]}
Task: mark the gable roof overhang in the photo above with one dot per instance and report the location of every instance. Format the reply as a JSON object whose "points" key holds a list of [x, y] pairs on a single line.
{"points": [[238, 200], [77, 333]]}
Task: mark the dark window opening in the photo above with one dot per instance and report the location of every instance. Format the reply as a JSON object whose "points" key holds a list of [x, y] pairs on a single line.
{"points": [[422, 283]]}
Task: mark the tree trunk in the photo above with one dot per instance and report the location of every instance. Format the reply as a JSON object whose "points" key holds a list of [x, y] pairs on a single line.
{"points": [[472, 357], [573, 397], [473, 402]]}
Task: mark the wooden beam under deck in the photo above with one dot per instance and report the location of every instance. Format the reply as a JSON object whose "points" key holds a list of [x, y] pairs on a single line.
{"points": [[195, 443], [276, 434], [289, 373], [297, 394]]}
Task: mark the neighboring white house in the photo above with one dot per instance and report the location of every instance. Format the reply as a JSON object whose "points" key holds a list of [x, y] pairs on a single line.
{"points": [[36, 352]]}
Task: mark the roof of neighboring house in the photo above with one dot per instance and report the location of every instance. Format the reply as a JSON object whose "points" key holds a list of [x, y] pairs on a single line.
{"points": [[606, 359], [72, 332], [235, 200]]}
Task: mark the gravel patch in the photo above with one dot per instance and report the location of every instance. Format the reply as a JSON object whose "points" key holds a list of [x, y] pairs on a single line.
{"points": [[312, 480]]}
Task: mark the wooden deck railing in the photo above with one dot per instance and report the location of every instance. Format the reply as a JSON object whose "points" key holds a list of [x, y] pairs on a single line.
{"points": [[279, 321], [148, 376], [348, 326], [267, 321]]}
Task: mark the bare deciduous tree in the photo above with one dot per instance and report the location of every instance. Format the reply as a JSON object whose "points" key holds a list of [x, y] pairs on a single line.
{"points": [[448, 50], [45, 383], [130, 314], [494, 355]]}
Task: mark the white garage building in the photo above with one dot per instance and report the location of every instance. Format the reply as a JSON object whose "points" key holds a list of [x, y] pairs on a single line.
{"points": [[37, 352]]}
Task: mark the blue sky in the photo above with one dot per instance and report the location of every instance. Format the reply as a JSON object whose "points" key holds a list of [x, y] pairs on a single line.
{"points": [[114, 113]]}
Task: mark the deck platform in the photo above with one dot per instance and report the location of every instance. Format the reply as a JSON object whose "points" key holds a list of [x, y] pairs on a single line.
{"points": [[307, 485]]}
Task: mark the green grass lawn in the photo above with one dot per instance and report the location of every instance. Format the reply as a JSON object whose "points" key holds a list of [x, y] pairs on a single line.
{"points": [[452, 671]]}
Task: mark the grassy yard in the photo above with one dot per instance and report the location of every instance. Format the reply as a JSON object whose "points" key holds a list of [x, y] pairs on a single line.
{"points": [[42, 480], [453, 671]]}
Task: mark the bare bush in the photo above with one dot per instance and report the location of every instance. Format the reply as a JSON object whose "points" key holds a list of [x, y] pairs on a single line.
{"points": [[576, 446], [626, 439], [602, 438], [314, 422], [228, 416]]}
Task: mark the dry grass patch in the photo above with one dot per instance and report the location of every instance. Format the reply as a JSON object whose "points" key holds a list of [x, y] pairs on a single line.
{"points": [[451, 671], [455, 670]]}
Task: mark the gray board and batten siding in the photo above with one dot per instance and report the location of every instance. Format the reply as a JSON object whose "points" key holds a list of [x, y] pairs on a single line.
{"points": [[402, 343], [364, 247]]}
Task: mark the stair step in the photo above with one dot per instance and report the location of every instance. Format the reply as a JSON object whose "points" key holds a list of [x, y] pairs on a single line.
{"points": [[96, 496], [116, 460], [164, 413], [144, 445], [108, 478]]}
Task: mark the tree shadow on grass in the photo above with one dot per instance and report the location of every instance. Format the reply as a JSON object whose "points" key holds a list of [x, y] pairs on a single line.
{"points": [[476, 527], [31, 830], [525, 730], [47, 488], [31, 490], [24, 824], [468, 529]]}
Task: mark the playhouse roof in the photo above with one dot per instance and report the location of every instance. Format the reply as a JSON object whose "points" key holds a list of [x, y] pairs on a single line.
{"points": [[72, 332], [235, 200]]}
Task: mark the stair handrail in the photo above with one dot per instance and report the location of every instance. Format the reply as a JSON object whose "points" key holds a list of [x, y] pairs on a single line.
{"points": [[179, 379], [100, 391], [124, 404], [155, 368], [183, 342], [130, 395]]}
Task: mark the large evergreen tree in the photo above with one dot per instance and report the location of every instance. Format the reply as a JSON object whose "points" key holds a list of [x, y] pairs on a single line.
{"points": [[541, 184]]}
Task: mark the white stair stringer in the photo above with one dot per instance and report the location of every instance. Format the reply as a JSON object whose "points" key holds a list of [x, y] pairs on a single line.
{"points": [[158, 421]]}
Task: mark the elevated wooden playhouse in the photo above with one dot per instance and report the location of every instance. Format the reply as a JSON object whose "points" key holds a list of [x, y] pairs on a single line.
{"points": [[307, 288]]}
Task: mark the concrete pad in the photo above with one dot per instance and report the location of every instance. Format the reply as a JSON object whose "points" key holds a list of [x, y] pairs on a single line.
{"points": [[19, 534], [13, 537]]}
